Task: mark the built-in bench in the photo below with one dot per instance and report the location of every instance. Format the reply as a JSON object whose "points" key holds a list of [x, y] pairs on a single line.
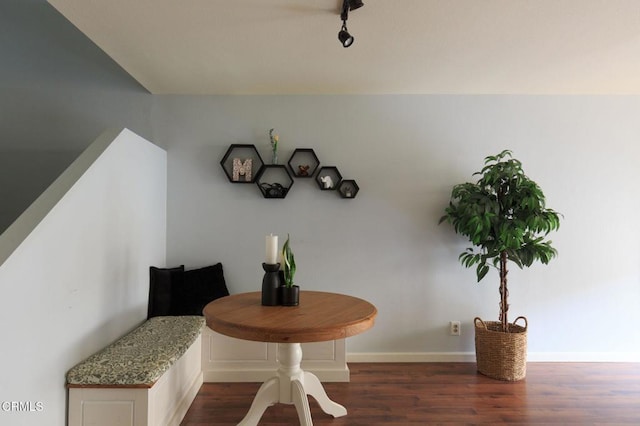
{"points": [[148, 377]]}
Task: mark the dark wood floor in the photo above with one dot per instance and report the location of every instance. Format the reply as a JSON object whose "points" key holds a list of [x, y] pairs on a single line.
{"points": [[397, 394]]}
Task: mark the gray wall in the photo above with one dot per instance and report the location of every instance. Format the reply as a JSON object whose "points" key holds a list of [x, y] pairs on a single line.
{"points": [[406, 152], [58, 92]]}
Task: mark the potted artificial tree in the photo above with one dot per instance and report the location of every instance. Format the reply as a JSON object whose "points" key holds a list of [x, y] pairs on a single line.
{"points": [[505, 218]]}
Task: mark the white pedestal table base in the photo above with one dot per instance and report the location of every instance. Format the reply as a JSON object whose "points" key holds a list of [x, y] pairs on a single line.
{"points": [[291, 385]]}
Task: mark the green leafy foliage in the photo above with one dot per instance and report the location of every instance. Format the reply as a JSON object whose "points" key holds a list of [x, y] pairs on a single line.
{"points": [[503, 213], [289, 263]]}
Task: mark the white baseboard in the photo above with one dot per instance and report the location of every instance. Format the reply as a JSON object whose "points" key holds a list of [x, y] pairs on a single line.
{"points": [[411, 357], [236, 376], [471, 357], [583, 357], [261, 375]]}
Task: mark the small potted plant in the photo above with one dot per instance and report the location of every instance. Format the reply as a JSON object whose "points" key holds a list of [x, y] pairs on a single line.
{"points": [[505, 218], [290, 293]]}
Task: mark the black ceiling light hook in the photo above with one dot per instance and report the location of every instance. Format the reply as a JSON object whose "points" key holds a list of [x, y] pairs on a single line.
{"points": [[355, 4], [343, 35], [344, 14]]}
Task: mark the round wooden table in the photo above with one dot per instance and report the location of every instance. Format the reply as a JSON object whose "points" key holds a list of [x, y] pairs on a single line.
{"points": [[319, 317]]}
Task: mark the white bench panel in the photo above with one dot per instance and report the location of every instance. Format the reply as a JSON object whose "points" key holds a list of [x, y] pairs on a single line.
{"points": [[165, 403], [226, 359]]}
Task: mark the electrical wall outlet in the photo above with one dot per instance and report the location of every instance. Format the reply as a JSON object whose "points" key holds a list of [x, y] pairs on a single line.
{"points": [[454, 328]]}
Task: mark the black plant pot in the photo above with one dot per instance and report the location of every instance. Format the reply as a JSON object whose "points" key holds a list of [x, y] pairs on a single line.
{"points": [[289, 296]]}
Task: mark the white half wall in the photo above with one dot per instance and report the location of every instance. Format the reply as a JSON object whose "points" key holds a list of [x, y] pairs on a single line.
{"points": [[74, 271]]}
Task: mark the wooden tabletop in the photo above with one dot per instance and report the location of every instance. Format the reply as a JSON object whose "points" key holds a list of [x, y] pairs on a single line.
{"points": [[319, 317]]}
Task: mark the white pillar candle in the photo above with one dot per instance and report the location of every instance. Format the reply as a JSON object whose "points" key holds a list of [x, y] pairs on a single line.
{"points": [[272, 249]]}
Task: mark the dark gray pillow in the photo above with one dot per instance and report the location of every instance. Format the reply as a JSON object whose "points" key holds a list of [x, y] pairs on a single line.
{"points": [[160, 282], [197, 288]]}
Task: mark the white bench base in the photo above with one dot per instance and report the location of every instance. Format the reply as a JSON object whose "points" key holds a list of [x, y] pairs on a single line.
{"points": [[165, 403], [226, 359]]}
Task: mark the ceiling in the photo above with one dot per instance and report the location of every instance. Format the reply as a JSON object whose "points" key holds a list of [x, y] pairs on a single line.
{"points": [[401, 46]]}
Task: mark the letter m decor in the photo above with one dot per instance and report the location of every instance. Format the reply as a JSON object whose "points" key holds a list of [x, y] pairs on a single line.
{"points": [[242, 169]]}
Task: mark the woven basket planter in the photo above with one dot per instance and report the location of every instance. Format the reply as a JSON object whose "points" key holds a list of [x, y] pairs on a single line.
{"points": [[500, 355]]}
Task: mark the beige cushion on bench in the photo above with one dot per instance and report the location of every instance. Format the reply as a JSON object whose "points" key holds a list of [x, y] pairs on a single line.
{"points": [[141, 357]]}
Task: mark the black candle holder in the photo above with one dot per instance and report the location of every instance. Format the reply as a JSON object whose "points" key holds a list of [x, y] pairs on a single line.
{"points": [[270, 284]]}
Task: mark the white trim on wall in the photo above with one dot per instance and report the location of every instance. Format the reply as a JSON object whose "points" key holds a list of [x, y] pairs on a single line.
{"points": [[471, 357]]}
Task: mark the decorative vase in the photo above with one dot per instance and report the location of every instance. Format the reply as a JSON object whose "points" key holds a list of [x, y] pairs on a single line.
{"points": [[274, 157], [270, 284], [289, 296]]}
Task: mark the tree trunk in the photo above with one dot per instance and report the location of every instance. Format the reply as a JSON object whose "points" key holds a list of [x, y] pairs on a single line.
{"points": [[504, 292]]}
